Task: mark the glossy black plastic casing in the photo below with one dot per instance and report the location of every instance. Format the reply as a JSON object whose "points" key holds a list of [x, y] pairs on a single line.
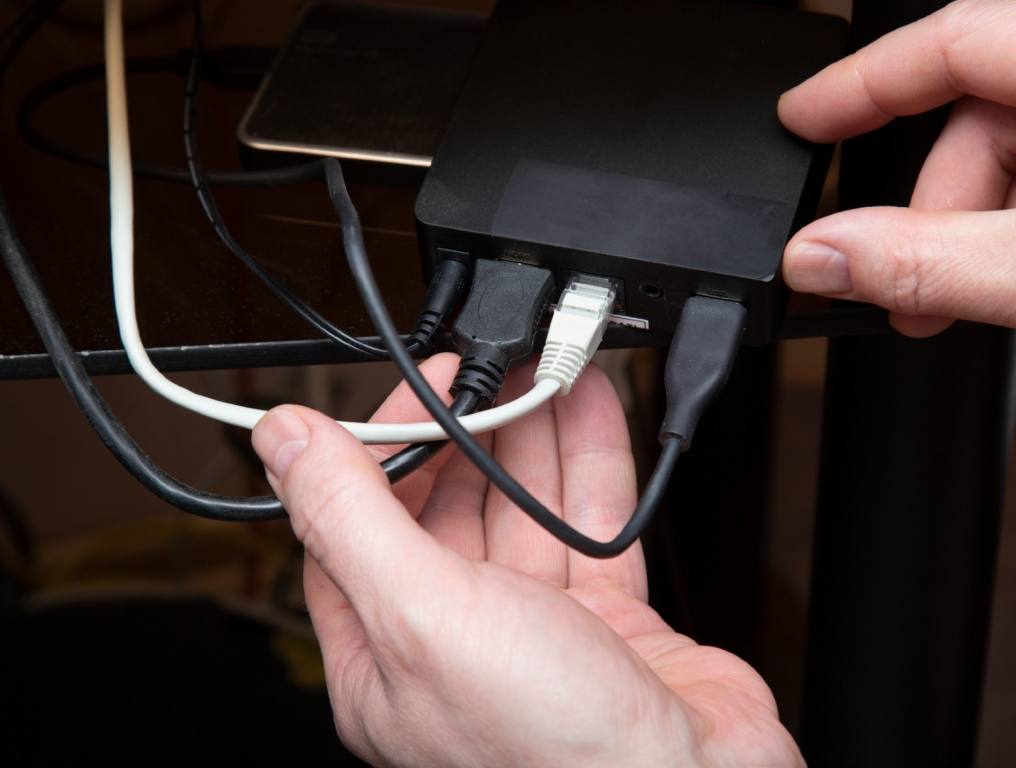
{"points": [[637, 141]]}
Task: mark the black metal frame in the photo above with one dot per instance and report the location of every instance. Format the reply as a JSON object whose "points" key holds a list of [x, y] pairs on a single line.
{"points": [[854, 320]]}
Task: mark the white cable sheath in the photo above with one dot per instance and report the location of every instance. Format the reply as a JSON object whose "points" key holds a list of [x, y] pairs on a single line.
{"points": [[121, 205]]}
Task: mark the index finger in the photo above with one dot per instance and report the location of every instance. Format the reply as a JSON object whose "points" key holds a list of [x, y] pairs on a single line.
{"points": [[963, 49]]}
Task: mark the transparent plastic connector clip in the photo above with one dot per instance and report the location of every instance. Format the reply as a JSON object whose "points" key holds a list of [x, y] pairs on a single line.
{"points": [[576, 330]]}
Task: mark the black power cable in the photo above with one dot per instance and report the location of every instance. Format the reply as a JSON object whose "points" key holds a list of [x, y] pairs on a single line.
{"points": [[96, 410], [698, 365], [115, 436], [90, 402], [199, 179], [410, 459], [447, 283]]}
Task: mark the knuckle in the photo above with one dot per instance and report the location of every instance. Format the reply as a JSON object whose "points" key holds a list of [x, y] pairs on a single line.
{"points": [[954, 17], [863, 73], [957, 17], [592, 517], [904, 281], [603, 450], [902, 288], [961, 24]]}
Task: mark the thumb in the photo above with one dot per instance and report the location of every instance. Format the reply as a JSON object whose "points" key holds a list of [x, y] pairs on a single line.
{"points": [[919, 263], [342, 508]]}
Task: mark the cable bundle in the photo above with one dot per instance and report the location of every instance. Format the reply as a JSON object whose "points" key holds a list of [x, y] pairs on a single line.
{"points": [[698, 365]]}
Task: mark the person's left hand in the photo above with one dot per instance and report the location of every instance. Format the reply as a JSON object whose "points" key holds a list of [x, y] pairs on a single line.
{"points": [[456, 632]]}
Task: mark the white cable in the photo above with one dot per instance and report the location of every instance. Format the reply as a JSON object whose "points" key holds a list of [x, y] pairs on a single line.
{"points": [[576, 330], [121, 203]]}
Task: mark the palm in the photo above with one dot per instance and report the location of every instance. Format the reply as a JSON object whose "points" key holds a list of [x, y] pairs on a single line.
{"points": [[513, 617], [740, 707]]}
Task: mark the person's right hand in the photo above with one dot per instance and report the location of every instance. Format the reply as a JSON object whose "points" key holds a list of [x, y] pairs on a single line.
{"points": [[952, 254]]}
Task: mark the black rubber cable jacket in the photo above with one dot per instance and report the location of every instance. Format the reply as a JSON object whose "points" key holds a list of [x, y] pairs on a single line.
{"points": [[356, 254], [211, 209], [413, 457], [90, 402], [116, 437], [95, 409], [229, 508]]}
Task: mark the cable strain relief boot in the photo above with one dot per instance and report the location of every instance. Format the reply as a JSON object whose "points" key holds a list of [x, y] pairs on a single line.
{"points": [[576, 330], [498, 323], [701, 357], [561, 362], [447, 286], [427, 325], [480, 375]]}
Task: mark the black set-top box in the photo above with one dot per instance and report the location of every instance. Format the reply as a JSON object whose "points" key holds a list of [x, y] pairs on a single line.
{"points": [[637, 141]]}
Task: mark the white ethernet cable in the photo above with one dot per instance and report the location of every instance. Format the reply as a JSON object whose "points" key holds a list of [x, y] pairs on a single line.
{"points": [[121, 202], [576, 330]]}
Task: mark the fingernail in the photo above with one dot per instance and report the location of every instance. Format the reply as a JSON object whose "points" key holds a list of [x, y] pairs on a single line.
{"points": [[817, 268], [278, 439]]}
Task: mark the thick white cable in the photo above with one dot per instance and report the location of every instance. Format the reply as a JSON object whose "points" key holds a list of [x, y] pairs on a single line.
{"points": [[121, 203]]}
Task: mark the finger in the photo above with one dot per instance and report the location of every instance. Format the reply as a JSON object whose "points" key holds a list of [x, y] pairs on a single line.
{"points": [[453, 514], [598, 481], [970, 168], [965, 48], [344, 512], [403, 406], [526, 448], [946, 264]]}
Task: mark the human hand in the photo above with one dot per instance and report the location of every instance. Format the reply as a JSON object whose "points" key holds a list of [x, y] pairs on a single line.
{"points": [[468, 636], [952, 254]]}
